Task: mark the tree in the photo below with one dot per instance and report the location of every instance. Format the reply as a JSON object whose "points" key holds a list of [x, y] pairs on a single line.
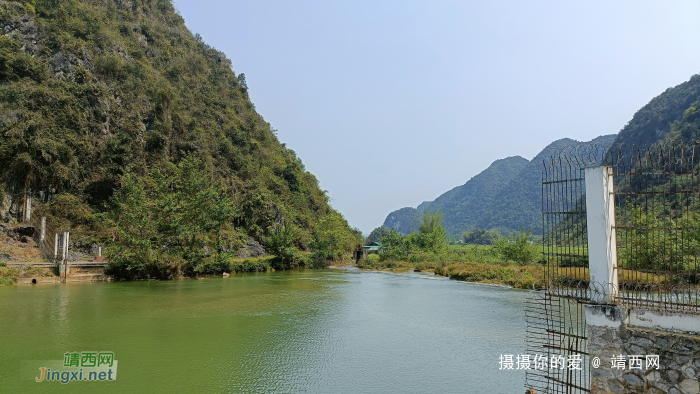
{"points": [[432, 234], [330, 240], [517, 248], [168, 216], [131, 255], [281, 245], [431, 221], [480, 236], [378, 233]]}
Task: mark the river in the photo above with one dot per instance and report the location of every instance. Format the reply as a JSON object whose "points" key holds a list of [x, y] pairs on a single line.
{"points": [[313, 331]]}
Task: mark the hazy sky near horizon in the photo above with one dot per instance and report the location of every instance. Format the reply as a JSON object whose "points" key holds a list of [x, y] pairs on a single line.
{"points": [[391, 103]]}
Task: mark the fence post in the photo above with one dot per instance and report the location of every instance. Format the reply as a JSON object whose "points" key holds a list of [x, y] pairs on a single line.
{"points": [[28, 207], [42, 234], [602, 243], [64, 249]]}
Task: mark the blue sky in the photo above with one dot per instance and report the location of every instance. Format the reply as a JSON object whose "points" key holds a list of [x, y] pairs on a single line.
{"points": [[391, 103]]}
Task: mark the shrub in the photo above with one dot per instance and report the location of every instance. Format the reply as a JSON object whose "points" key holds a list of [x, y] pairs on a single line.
{"points": [[216, 266], [251, 265], [390, 264], [8, 275], [517, 248], [281, 245]]}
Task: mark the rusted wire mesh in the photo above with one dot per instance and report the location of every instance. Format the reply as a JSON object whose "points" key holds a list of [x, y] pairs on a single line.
{"points": [[565, 239], [556, 330], [555, 315], [657, 215], [657, 223]]}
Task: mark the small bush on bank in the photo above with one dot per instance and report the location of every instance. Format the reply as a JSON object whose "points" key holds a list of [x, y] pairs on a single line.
{"points": [[316, 260], [217, 266], [518, 248], [8, 275], [261, 264]]}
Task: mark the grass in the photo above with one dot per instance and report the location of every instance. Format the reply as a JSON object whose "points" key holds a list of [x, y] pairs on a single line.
{"points": [[518, 276], [8, 275], [503, 273]]}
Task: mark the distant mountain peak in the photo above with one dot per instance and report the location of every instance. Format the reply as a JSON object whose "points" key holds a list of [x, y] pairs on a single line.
{"points": [[502, 196]]}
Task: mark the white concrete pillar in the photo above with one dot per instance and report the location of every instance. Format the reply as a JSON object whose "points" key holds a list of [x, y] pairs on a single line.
{"points": [[55, 246], [28, 208], [42, 234], [602, 244], [65, 246]]}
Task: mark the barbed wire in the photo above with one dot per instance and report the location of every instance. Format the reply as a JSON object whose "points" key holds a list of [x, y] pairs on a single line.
{"points": [[660, 154]]}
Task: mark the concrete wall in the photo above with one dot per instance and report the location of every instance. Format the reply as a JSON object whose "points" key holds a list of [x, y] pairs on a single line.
{"points": [[673, 336]]}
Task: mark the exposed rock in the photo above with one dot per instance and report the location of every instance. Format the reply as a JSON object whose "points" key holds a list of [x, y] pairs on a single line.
{"points": [[251, 249], [82, 246], [94, 249], [25, 239], [74, 256], [633, 380], [63, 64], [691, 386], [125, 5], [25, 30], [28, 231], [5, 257]]}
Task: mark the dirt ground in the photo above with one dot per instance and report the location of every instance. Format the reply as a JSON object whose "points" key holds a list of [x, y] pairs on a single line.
{"points": [[19, 252]]}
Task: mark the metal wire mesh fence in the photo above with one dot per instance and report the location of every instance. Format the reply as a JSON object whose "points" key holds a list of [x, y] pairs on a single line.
{"points": [[657, 207], [556, 332], [555, 316], [656, 195], [565, 242]]}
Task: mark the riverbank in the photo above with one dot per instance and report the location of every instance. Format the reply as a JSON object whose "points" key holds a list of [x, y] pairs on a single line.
{"points": [[517, 276]]}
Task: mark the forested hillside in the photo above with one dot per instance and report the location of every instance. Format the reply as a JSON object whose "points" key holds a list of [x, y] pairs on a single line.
{"points": [[463, 206], [93, 92], [519, 204], [506, 196], [404, 220], [663, 114]]}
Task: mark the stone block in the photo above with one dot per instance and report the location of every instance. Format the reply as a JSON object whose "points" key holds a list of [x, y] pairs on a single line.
{"points": [[673, 376], [633, 380], [691, 386]]}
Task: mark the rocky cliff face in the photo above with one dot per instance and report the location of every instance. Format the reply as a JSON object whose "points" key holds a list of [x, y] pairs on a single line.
{"points": [[91, 90], [404, 220]]}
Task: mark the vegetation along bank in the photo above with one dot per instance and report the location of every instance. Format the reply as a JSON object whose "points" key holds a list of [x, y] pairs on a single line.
{"points": [[129, 131]]}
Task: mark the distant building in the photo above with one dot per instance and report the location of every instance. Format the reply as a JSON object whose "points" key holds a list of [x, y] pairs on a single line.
{"points": [[372, 247]]}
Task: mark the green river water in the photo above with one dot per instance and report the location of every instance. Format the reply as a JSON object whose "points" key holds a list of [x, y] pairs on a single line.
{"points": [[313, 331]]}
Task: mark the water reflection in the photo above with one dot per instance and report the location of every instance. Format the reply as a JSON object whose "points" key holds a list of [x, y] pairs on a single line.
{"points": [[329, 331]]}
